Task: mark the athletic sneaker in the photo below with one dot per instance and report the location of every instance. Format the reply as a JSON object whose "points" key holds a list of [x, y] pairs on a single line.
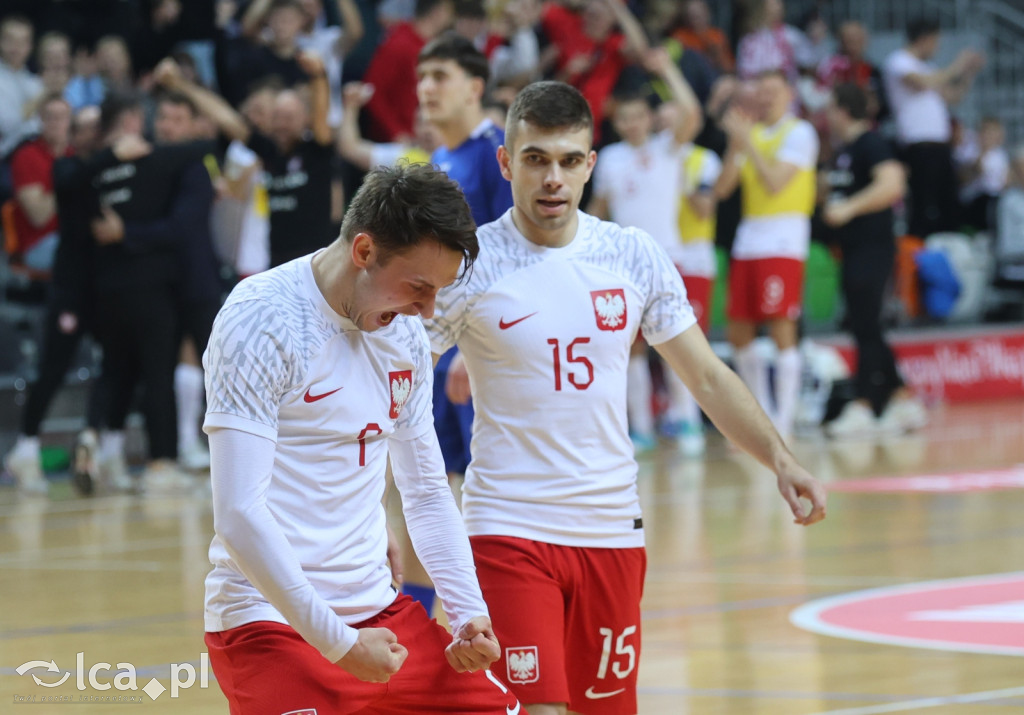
{"points": [[25, 467], [85, 468], [113, 473], [643, 443], [904, 414], [855, 420], [195, 458], [691, 439], [164, 477]]}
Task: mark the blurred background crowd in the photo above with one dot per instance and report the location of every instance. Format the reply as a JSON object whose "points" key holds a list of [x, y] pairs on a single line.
{"points": [[265, 115]]}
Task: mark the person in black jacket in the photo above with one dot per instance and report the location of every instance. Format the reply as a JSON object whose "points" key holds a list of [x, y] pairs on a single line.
{"points": [[143, 208]]}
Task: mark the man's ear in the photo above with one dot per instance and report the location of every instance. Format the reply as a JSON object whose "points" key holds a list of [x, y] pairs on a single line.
{"points": [[364, 250], [505, 162]]}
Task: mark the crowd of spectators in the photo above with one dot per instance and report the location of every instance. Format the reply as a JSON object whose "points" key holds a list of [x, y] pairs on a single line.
{"points": [[296, 98]]}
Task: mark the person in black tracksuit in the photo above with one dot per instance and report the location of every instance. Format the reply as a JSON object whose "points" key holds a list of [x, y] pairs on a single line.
{"points": [[143, 207], [864, 182]]}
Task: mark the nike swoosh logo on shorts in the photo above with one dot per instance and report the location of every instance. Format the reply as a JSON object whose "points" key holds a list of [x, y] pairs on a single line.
{"points": [[502, 325], [598, 696], [309, 398]]}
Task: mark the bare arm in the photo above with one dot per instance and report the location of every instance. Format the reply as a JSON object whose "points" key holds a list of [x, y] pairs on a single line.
{"points": [[38, 204], [888, 184], [636, 38], [252, 21], [702, 203], [735, 412], [689, 118], [320, 96], [352, 25], [351, 145], [209, 104]]}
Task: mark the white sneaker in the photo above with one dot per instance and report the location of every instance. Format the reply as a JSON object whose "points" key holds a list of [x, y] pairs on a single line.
{"points": [[195, 458], [164, 477], [114, 476], [25, 467], [856, 420], [904, 414], [691, 440]]}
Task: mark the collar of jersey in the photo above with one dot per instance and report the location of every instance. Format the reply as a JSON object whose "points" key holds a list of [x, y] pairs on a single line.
{"points": [[548, 251]]}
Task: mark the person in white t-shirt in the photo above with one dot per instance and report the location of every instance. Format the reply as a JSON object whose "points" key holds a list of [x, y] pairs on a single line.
{"points": [[920, 95], [544, 326], [638, 184], [317, 372]]}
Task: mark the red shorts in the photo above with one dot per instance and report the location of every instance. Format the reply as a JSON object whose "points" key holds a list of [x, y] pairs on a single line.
{"points": [[765, 289], [698, 292], [266, 668], [568, 620]]}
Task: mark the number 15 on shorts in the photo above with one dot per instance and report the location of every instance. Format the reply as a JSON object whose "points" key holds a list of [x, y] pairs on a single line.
{"points": [[625, 660]]}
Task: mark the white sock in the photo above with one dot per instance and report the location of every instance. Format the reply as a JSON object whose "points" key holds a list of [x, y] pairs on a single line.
{"points": [[754, 373], [188, 393], [638, 395], [787, 388], [111, 444], [26, 447], [683, 406]]}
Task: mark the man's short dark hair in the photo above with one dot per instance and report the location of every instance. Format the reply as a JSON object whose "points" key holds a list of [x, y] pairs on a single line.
{"points": [[851, 99], [548, 105], [179, 99], [922, 27], [425, 7], [452, 46], [115, 105], [402, 206]]}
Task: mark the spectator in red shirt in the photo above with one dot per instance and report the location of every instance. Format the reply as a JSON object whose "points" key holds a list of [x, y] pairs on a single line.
{"points": [[591, 53], [392, 71], [35, 212]]}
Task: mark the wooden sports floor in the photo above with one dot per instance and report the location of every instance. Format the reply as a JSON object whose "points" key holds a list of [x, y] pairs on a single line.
{"points": [[120, 579]]}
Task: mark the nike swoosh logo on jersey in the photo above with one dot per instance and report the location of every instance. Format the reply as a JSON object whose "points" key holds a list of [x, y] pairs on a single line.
{"points": [[598, 696], [512, 710], [309, 398], [502, 325]]}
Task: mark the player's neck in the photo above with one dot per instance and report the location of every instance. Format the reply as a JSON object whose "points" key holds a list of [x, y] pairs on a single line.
{"points": [[555, 238], [854, 130], [333, 274], [455, 133]]}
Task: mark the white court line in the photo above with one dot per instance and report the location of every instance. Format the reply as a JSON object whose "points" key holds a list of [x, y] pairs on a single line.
{"points": [[89, 550], [928, 702]]}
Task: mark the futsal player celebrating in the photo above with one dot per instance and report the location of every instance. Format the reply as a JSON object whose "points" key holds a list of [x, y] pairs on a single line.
{"points": [[545, 322], [317, 371]]}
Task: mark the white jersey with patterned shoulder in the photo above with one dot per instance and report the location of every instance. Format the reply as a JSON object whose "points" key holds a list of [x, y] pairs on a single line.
{"points": [[281, 364], [546, 334]]}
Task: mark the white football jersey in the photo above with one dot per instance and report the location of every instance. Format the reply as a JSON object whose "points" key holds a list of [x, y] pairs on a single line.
{"points": [[642, 186], [281, 364], [546, 334]]}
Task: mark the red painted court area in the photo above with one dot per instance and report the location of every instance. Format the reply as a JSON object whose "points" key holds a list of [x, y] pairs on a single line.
{"points": [[972, 481], [980, 614]]}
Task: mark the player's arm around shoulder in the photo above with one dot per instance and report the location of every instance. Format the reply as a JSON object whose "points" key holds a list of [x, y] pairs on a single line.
{"points": [[735, 412]]}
